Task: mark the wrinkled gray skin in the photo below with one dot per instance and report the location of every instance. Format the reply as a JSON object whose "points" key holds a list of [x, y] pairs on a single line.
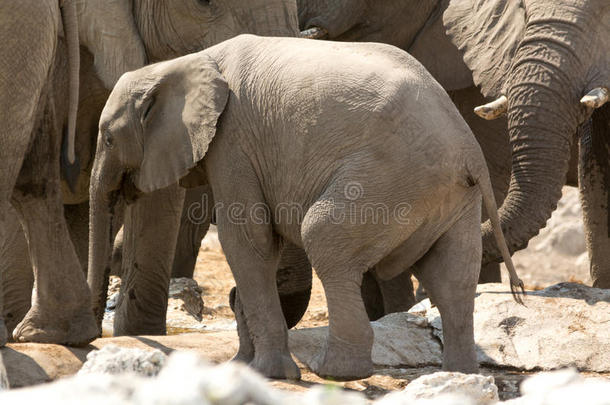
{"points": [[138, 32], [544, 56], [244, 117], [37, 104]]}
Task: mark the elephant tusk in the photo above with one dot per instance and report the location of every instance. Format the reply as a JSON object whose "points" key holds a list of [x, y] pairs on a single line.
{"points": [[493, 110], [596, 97], [314, 33]]}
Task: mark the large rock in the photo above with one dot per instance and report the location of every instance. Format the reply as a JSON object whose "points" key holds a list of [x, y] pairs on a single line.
{"points": [[31, 363], [477, 388], [446, 388], [565, 387], [565, 325], [113, 359], [401, 339], [187, 379]]}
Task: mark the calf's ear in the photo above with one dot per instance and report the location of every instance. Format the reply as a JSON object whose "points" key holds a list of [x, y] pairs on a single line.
{"points": [[179, 112]]}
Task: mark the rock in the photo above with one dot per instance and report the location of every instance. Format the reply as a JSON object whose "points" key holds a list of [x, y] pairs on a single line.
{"points": [[565, 387], [185, 380], [112, 359], [194, 381], [3, 377], [32, 363], [398, 398], [565, 325], [188, 379], [401, 339], [114, 286], [477, 388], [188, 291], [330, 395], [545, 382]]}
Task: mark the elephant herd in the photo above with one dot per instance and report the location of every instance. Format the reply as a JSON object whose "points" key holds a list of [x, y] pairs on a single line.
{"points": [[338, 151]]}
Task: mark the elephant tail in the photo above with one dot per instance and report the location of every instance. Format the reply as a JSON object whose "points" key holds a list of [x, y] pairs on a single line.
{"points": [[70, 24], [480, 177]]}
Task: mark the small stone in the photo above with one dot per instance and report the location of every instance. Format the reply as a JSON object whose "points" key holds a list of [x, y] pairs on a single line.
{"points": [[112, 359], [479, 389]]}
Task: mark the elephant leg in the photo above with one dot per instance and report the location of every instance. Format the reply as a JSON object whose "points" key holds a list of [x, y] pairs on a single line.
{"points": [[23, 93], [252, 252], [449, 273], [61, 311], [594, 184], [382, 297], [16, 273], [77, 218], [294, 282], [350, 337], [490, 273], [397, 293], [149, 241], [245, 353], [194, 224], [371, 296], [294, 276]]}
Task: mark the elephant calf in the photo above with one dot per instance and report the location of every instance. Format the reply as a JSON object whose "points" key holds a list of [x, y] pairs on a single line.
{"points": [[349, 151]]}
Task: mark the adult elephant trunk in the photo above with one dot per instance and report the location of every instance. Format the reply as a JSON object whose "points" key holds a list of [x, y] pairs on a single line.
{"points": [[70, 24], [543, 115]]}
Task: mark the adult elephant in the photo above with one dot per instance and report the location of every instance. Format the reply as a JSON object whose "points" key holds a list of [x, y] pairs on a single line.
{"points": [[118, 36], [39, 98], [543, 57]]}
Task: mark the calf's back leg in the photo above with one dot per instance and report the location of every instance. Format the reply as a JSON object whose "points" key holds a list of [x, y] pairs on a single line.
{"points": [[449, 273]]}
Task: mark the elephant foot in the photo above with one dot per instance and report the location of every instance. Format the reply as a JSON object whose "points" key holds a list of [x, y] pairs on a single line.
{"points": [[276, 365], [3, 334], [243, 356], [344, 363], [79, 330]]}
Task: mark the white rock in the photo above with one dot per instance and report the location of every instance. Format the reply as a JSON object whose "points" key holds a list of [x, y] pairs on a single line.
{"points": [[549, 381], [565, 387], [90, 389], [399, 398], [477, 388], [194, 381], [330, 395], [112, 359], [186, 380], [565, 325], [401, 339]]}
